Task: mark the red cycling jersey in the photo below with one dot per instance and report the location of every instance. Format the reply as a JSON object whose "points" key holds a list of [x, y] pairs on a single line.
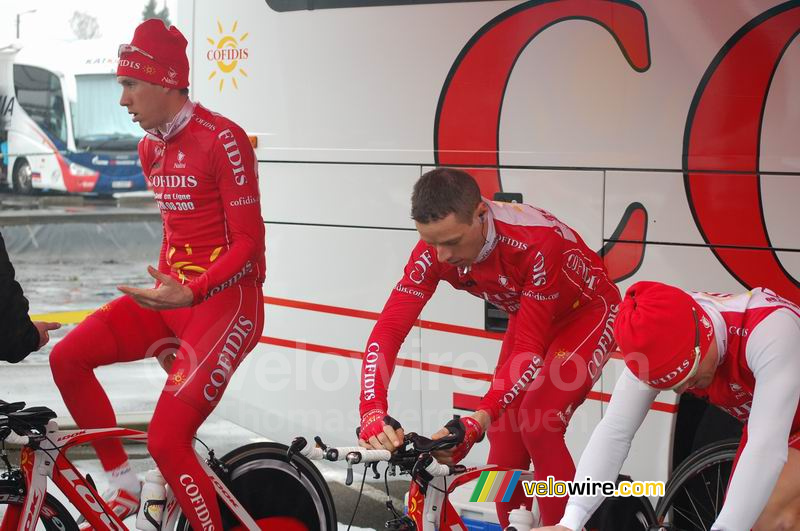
{"points": [[734, 381], [533, 266], [205, 180]]}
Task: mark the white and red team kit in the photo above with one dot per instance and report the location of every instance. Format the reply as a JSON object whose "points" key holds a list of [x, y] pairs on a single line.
{"points": [[757, 381]]}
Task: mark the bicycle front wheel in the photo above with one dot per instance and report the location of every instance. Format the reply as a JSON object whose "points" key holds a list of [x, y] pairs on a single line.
{"points": [[277, 493], [52, 517], [694, 494]]}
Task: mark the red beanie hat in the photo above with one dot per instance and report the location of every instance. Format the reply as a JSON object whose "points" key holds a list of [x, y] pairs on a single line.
{"points": [[656, 331], [156, 55]]}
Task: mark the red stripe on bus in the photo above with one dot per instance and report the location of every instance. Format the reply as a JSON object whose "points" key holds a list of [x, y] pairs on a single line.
{"points": [[471, 402], [362, 314], [460, 400], [463, 330], [324, 308], [353, 354], [401, 362], [466, 402]]}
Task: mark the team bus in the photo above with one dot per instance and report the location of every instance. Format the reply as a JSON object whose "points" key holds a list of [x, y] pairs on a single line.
{"points": [[665, 133], [67, 131]]}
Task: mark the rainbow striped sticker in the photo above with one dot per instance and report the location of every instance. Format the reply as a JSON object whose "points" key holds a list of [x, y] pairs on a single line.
{"points": [[495, 486]]}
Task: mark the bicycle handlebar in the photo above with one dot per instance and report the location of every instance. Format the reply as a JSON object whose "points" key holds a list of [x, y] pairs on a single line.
{"points": [[413, 457], [354, 454], [437, 469], [307, 450]]}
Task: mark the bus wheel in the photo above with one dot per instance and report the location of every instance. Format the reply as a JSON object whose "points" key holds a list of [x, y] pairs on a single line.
{"points": [[22, 177]]}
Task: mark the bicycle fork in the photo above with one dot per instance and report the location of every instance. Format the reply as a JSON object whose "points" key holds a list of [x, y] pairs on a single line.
{"points": [[36, 466]]}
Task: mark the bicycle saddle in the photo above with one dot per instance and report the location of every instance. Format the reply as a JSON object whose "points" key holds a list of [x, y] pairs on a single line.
{"points": [[10, 407]]}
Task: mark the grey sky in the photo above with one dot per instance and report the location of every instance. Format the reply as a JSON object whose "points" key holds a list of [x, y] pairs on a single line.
{"points": [[117, 18]]}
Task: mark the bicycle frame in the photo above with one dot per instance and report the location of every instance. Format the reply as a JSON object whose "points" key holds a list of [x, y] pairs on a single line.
{"points": [[49, 460], [428, 507]]}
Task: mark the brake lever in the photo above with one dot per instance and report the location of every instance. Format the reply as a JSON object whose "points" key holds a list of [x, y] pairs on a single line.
{"points": [[353, 458], [322, 445], [298, 443]]}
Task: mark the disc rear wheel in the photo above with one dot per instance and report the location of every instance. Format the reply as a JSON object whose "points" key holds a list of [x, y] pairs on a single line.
{"points": [[277, 493]]}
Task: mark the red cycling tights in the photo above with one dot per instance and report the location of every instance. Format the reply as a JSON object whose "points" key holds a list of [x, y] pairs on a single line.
{"points": [[209, 341], [534, 431]]}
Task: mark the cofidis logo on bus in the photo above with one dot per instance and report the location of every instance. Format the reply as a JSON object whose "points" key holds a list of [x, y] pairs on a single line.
{"points": [[228, 56]]}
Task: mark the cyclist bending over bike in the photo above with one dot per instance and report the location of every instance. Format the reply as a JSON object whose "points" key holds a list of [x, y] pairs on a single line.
{"points": [[739, 352], [207, 303], [561, 307]]}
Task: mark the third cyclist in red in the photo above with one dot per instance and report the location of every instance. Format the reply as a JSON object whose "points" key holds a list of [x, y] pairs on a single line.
{"points": [[561, 307]]}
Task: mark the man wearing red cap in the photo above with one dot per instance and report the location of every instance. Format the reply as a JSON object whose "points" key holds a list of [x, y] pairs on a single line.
{"points": [[739, 352], [206, 310]]}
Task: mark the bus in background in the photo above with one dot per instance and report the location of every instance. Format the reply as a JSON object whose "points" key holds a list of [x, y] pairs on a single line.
{"points": [[68, 132], [7, 99]]}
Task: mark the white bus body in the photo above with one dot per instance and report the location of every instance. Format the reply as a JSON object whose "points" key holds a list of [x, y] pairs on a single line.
{"points": [[673, 122]]}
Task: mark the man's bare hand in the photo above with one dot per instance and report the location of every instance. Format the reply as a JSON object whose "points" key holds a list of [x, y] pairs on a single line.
{"points": [[170, 293], [44, 327], [390, 439]]}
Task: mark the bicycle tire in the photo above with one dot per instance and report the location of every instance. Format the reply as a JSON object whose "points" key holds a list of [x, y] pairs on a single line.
{"points": [[53, 516], [623, 514], [269, 486], [695, 491]]}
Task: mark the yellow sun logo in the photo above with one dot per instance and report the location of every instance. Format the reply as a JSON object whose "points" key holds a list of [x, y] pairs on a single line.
{"points": [[183, 266], [412, 506], [228, 54], [178, 378], [561, 353]]}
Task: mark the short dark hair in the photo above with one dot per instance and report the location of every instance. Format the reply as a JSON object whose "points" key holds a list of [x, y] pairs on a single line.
{"points": [[184, 91], [442, 192]]}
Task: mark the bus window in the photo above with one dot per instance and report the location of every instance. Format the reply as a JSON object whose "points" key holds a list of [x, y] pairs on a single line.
{"points": [[99, 122], [39, 93]]}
